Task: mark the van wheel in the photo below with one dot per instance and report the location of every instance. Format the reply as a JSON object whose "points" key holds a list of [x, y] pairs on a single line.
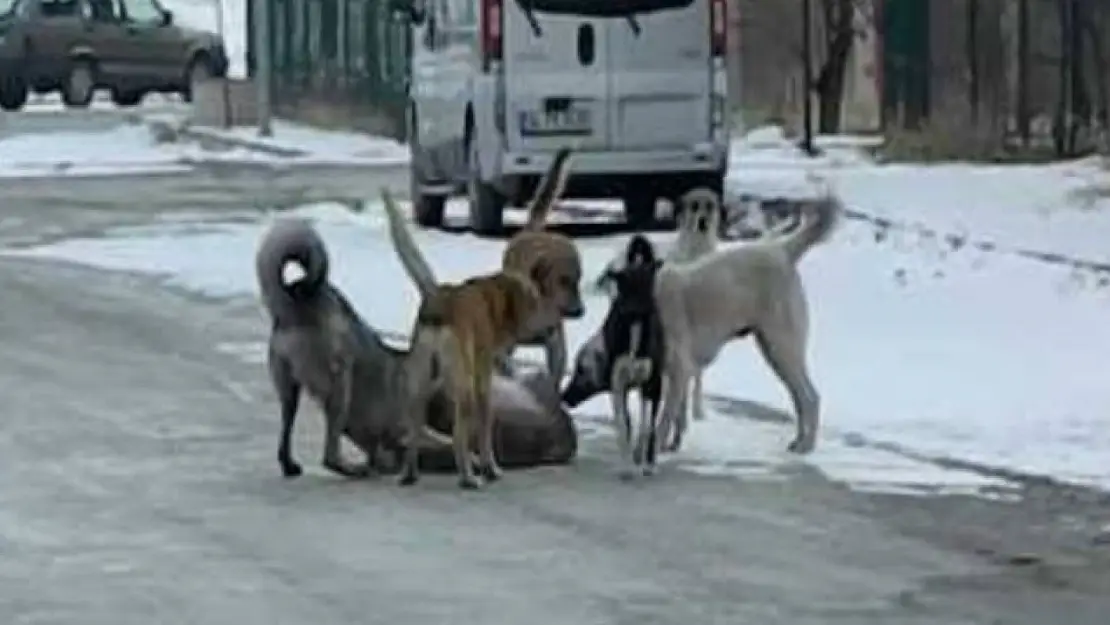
{"points": [[80, 84], [487, 205], [427, 210], [13, 93], [639, 209]]}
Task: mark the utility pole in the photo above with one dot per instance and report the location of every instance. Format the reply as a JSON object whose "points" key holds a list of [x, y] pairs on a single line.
{"points": [[225, 89], [262, 73], [807, 78]]}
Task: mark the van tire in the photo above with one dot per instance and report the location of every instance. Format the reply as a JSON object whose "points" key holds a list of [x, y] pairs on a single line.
{"points": [[427, 210], [80, 83], [487, 204], [639, 209]]}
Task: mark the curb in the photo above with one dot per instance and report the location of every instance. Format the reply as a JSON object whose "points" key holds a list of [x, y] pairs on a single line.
{"points": [[178, 129]]}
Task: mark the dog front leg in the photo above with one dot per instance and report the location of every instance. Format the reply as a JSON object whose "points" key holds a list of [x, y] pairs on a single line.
{"points": [[338, 415], [699, 406], [555, 348], [623, 426]]}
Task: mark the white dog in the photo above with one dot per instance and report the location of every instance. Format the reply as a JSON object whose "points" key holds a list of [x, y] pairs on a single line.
{"points": [[699, 224], [750, 288]]}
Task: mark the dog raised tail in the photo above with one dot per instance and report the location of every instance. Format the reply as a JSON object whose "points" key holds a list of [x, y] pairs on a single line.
{"points": [[291, 265], [550, 189], [818, 220], [411, 258]]}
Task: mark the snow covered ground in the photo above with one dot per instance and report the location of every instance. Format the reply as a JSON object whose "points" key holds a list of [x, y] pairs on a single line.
{"points": [[924, 347], [133, 149]]}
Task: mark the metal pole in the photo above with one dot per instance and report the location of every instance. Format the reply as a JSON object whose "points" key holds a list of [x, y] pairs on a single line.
{"points": [[807, 77], [225, 90], [262, 72]]}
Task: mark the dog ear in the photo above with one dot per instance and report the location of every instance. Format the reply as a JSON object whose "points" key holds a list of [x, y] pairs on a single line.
{"points": [[540, 272]]}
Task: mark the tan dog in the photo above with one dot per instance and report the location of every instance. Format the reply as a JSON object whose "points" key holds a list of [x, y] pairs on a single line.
{"points": [[461, 330], [552, 261]]}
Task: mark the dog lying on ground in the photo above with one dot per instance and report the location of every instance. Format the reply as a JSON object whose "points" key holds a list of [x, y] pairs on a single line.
{"points": [[753, 287], [461, 331], [633, 334], [318, 343], [698, 226], [532, 428], [552, 262]]}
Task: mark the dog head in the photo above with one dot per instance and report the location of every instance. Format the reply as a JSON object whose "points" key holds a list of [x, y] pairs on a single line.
{"points": [[634, 289], [700, 212], [589, 377], [557, 273]]}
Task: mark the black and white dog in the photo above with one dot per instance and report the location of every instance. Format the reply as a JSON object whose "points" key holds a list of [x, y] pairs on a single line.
{"points": [[633, 335]]}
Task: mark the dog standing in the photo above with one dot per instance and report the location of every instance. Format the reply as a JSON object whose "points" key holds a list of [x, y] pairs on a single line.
{"points": [[553, 263], [318, 343], [753, 287], [633, 335], [460, 333], [698, 227]]}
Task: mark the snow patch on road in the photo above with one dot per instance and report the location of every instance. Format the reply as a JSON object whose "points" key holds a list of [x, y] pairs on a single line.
{"points": [[950, 353]]}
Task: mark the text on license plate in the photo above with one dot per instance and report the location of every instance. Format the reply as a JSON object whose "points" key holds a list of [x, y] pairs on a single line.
{"points": [[571, 121]]}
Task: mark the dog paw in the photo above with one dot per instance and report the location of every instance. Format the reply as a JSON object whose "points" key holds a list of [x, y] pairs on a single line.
{"points": [[801, 446], [469, 482], [291, 469], [407, 479], [491, 472], [649, 470]]}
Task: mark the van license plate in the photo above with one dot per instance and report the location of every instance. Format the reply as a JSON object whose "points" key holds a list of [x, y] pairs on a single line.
{"points": [[573, 120]]}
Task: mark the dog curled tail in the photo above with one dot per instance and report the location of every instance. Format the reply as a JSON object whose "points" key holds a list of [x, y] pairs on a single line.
{"points": [[291, 266], [420, 272], [819, 218], [549, 190]]}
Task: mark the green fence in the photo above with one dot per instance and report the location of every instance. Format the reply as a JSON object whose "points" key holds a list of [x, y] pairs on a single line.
{"points": [[338, 62]]}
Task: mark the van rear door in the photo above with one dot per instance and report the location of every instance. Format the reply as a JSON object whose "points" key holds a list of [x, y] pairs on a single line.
{"points": [[556, 83], [660, 64]]}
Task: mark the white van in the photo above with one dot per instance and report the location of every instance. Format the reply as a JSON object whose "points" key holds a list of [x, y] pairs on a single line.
{"points": [[637, 87]]}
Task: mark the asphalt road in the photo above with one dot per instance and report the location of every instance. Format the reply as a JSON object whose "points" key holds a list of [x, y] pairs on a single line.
{"points": [[138, 485]]}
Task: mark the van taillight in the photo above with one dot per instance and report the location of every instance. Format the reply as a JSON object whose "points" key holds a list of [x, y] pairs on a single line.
{"points": [[491, 31], [718, 27]]}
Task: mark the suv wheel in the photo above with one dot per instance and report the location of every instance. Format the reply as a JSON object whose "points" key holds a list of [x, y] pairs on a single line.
{"points": [[13, 93], [427, 210], [80, 84], [198, 71], [487, 205], [126, 97], [639, 209]]}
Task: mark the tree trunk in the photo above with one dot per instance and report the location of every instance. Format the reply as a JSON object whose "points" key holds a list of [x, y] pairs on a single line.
{"points": [[839, 36]]}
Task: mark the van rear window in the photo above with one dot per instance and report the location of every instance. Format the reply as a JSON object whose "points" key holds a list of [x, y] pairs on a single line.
{"points": [[603, 8]]}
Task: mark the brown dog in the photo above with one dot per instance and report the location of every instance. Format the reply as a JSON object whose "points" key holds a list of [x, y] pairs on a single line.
{"points": [[552, 261], [461, 331]]}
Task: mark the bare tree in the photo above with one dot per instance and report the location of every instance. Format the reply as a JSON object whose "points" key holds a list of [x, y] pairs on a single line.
{"points": [[837, 34]]}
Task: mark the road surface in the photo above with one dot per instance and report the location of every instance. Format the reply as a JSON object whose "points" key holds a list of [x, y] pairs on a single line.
{"points": [[138, 485]]}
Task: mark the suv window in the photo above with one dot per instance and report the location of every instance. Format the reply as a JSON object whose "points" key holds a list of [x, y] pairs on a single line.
{"points": [[59, 8], [104, 10], [602, 8], [142, 12]]}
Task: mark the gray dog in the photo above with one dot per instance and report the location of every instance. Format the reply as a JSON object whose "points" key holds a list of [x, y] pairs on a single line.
{"points": [[320, 344]]}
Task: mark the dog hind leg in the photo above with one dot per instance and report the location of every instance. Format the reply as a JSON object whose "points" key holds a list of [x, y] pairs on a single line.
{"points": [[289, 396], [337, 415], [487, 456], [461, 432], [784, 352], [555, 348]]}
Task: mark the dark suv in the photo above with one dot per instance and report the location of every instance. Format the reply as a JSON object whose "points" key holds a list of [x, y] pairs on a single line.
{"points": [[130, 47]]}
